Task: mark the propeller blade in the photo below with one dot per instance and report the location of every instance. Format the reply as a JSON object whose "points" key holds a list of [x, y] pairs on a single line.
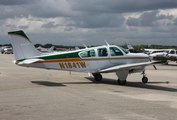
{"points": [[166, 55], [143, 50], [146, 53], [154, 67], [149, 57]]}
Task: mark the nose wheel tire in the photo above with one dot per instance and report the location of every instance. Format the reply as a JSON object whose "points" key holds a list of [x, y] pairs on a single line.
{"points": [[98, 77], [121, 82], [144, 79]]}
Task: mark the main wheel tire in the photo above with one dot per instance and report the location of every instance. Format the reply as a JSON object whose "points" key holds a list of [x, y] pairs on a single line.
{"points": [[144, 79], [121, 82], [98, 77]]}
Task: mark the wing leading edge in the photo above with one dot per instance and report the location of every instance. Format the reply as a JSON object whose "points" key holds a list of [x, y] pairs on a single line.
{"points": [[129, 66]]}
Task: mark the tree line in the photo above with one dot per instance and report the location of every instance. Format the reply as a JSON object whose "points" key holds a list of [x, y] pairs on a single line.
{"points": [[136, 47]]}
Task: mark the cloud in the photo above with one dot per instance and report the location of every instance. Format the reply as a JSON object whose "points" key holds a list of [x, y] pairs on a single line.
{"points": [[11, 26], [48, 25], [132, 21], [68, 29], [16, 2], [148, 19], [74, 21], [98, 21], [175, 21], [121, 6], [23, 27]]}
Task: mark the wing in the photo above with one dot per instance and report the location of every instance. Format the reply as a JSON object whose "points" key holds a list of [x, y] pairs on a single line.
{"points": [[129, 66]]}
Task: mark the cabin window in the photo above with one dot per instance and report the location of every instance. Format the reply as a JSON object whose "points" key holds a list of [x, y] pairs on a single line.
{"points": [[172, 52], [114, 51], [123, 50], [102, 52], [90, 53]]}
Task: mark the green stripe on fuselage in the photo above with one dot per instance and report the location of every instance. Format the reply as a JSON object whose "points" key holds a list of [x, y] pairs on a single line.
{"points": [[20, 33], [54, 57]]}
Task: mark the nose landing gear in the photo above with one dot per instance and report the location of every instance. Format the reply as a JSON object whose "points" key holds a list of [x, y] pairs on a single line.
{"points": [[121, 82], [144, 79]]}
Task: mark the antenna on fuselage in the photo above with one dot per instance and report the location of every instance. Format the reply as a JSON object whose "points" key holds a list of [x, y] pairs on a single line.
{"points": [[85, 45], [106, 42]]}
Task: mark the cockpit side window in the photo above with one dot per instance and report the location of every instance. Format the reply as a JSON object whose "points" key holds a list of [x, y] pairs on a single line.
{"points": [[172, 52], [102, 52], [126, 52], [90, 53], [114, 51]]}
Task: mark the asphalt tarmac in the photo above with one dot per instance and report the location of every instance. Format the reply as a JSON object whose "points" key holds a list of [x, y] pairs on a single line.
{"points": [[40, 94]]}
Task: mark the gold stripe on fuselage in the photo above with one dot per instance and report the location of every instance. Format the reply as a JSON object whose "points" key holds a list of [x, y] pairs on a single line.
{"points": [[78, 59]]}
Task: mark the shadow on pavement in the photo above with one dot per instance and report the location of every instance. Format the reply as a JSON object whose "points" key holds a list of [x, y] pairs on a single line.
{"points": [[48, 83], [149, 85]]}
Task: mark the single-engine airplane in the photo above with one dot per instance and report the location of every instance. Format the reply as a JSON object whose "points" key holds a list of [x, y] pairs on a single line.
{"points": [[95, 60]]}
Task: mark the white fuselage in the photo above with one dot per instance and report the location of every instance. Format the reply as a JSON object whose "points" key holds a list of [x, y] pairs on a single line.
{"points": [[92, 64]]}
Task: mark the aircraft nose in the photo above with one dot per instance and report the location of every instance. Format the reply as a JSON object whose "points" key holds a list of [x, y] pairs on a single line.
{"points": [[146, 56]]}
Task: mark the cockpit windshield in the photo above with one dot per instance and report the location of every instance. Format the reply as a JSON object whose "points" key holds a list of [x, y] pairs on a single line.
{"points": [[126, 52]]}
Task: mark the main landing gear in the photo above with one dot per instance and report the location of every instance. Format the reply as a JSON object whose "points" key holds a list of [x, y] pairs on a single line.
{"points": [[97, 76]]}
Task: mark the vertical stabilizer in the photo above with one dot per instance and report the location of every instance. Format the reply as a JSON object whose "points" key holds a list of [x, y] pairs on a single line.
{"points": [[22, 46]]}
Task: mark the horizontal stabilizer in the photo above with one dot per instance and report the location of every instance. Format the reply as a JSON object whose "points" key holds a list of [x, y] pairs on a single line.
{"points": [[30, 61]]}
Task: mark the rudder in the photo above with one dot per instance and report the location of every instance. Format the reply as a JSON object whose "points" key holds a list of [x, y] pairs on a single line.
{"points": [[22, 46]]}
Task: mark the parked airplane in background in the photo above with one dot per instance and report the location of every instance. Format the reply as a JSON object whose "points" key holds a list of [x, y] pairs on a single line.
{"points": [[159, 54], [45, 50], [95, 60], [163, 54], [131, 49], [151, 51]]}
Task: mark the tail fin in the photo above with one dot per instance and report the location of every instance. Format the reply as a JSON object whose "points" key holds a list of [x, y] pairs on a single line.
{"points": [[130, 47], [51, 49], [22, 46]]}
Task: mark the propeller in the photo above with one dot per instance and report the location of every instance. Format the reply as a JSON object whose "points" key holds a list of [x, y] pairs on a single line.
{"points": [[166, 55], [150, 58], [85, 45], [106, 42]]}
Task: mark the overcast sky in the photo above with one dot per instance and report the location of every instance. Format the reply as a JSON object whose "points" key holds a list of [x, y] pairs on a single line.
{"points": [[73, 22]]}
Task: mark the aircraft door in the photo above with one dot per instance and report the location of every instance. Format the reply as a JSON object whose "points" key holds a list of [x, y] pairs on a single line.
{"points": [[89, 58], [103, 57], [116, 55]]}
